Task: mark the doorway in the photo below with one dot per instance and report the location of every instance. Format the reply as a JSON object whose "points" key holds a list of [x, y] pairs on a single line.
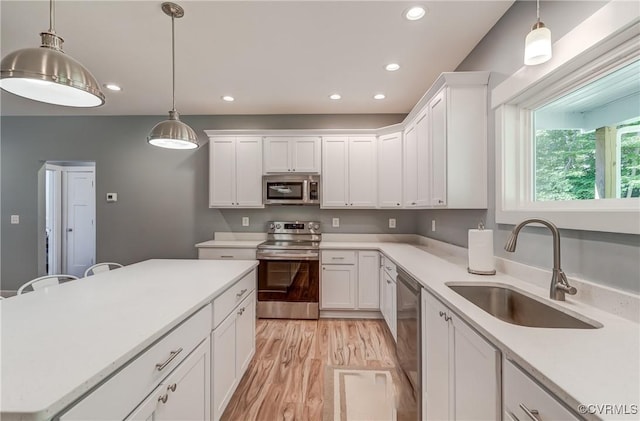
{"points": [[69, 216]]}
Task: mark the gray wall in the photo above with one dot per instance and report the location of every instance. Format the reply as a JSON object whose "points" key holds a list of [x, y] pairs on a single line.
{"points": [[606, 258], [162, 208]]}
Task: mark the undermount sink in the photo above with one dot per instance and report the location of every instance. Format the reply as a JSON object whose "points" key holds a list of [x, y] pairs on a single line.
{"points": [[512, 306]]}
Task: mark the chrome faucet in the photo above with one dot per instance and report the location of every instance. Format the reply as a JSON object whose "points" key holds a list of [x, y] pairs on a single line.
{"points": [[559, 283]]}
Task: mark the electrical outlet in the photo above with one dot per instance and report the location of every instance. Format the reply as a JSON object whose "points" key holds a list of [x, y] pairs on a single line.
{"points": [[112, 197], [433, 225], [245, 221], [335, 222], [15, 219], [392, 222]]}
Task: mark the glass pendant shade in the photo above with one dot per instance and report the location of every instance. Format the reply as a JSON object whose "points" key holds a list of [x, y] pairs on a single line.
{"points": [[537, 45], [173, 134], [47, 74]]}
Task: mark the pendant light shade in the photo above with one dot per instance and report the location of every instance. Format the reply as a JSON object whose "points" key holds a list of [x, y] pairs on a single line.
{"points": [[47, 74], [173, 133], [537, 45]]}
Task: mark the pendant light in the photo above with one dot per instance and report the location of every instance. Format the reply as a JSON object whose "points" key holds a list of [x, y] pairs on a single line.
{"points": [[173, 133], [537, 45], [47, 74]]}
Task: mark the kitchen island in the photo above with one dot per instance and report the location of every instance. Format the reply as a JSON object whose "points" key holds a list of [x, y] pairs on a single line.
{"points": [[63, 342]]}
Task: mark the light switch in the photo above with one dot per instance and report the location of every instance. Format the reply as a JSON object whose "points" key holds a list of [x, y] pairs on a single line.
{"points": [[15, 219], [245, 221], [335, 222], [392, 222], [112, 197]]}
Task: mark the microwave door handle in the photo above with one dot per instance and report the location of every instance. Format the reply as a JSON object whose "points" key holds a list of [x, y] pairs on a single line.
{"points": [[305, 191]]}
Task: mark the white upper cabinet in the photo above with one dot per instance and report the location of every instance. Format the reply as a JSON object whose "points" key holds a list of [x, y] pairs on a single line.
{"points": [[349, 171], [390, 171], [458, 138], [235, 171], [416, 162], [286, 154]]}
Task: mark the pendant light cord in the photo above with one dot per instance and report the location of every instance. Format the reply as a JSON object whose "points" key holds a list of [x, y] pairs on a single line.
{"points": [[538, 10], [52, 20], [173, 60]]}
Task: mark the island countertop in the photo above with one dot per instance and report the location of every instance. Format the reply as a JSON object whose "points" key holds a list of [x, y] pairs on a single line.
{"points": [[60, 342]]}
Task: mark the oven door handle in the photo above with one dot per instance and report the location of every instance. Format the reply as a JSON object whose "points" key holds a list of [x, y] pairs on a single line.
{"points": [[287, 256]]}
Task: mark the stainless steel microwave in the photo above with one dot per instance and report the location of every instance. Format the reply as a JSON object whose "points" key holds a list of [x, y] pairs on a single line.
{"points": [[291, 189]]}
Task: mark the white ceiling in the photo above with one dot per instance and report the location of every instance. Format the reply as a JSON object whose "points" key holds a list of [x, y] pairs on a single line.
{"points": [[274, 57]]}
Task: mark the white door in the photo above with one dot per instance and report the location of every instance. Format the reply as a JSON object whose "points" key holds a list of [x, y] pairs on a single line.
{"points": [[79, 228], [422, 149], [248, 172], [338, 287], [245, 333], [222, 170], [410, 167], [223, 368], [390, 171], [368, 280], [305, 154], [438, 140], [436, 359], [363, 173], [276, 155], [335, 152]]}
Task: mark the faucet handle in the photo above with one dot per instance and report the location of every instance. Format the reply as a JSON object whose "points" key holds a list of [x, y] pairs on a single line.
{"points": [[564, 285]]}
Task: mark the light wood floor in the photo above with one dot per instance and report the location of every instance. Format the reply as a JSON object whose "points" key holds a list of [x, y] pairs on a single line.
{"points": [[285, 380]]}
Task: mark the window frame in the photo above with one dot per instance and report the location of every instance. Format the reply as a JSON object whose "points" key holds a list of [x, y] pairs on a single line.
{"points": [[581, 56]]}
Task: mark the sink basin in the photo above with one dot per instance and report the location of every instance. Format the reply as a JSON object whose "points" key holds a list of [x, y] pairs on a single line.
{"points": [[511, 306]]}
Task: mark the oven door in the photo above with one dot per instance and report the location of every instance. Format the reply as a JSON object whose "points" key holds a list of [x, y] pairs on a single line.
{"points": [[284, 192], [288, 289]]}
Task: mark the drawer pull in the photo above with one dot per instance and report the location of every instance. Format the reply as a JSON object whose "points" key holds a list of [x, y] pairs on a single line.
{"points": [[241, 311], [337, 258], [388, 268], [172, 387], [226, 257], [172, 355], [164, 398], [388, 281], [532, 413], [241, 293]]}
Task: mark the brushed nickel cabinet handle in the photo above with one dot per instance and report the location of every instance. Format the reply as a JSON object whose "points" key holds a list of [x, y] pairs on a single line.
{"points": [[241, 293], [226, 257], [531, 413], [241, 311], [164, 398], [172, 387], [172, 355]]}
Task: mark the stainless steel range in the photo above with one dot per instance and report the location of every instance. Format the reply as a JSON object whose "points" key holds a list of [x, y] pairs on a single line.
{"points": [[289, 271]]}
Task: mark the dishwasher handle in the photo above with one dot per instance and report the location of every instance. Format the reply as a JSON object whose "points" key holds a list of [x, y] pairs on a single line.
{"points": [[408, 281]]}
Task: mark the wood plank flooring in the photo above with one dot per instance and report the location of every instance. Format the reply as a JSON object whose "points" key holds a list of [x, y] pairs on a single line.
{"points": [[285, 380]]}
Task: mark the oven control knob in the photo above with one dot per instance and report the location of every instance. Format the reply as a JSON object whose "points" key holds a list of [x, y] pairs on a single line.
{"points": [[278, 226], [272, 226], [316, 226]]}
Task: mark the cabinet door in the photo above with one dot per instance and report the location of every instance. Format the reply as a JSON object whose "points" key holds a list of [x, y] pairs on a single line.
{"points": [[438, 140], [184, 394], [245, 333], [435, 360], [223, 370], [335, 152], [222, 172], [338, 287], [476, 374], [305, 154], [423, 186], [363, 174], [368, 280], [276, 155], [249, 172], [410, 143], [390, 171]]}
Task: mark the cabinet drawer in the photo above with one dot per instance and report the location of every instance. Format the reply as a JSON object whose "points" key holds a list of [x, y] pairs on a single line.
{"points": [[119, 395], [389, 267], [338, 257], [223, 304], [226, 254], [521, 392]]}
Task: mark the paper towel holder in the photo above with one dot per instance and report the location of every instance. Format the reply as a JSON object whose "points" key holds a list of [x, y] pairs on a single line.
{"points": [[481, 272]]}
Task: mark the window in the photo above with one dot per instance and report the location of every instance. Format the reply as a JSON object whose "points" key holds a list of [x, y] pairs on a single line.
{"points": [[568, 131]]}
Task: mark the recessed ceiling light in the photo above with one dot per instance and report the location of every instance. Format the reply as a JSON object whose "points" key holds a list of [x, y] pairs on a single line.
{"points": [[228, 98], [334, 96], [415, 13], [379, 96], [112, 87], [392, 67]]}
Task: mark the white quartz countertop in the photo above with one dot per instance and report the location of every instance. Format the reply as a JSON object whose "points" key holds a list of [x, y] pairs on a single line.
{"points": [[235, 244], [60, 342], [581, 366]]}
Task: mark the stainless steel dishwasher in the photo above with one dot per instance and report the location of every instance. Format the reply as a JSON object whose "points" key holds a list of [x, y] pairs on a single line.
{"points": [[409, 337]]}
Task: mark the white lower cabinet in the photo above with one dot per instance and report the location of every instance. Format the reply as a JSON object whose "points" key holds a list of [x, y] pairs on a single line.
{"points": [[349, 280], [461, 369], [233, 346], [226, 253], [184, 394], [524, 399]]}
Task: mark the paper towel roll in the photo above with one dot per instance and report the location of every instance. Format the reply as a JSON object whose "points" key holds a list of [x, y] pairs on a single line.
{"points": [[481, 252]]}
